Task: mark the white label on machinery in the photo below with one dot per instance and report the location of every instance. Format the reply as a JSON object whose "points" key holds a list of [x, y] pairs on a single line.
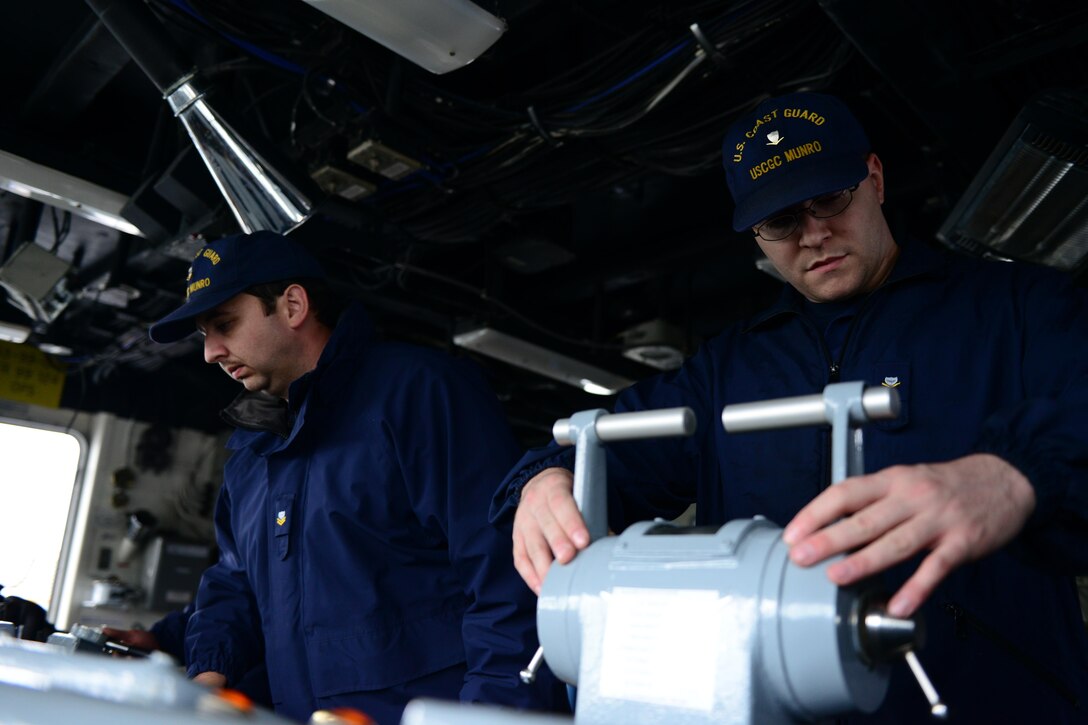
{"points": [[661, 646]]}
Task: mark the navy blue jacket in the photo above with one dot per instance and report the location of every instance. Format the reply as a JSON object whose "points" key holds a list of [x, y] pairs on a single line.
{"points": [[356, 553], [989, 357]]}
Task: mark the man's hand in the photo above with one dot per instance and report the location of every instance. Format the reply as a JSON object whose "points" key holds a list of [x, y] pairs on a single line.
{"points": [[139, 638], [959, 511], [211, 679], [547, 525]]}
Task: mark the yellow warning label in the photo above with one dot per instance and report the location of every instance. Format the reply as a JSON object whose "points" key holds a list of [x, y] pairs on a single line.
{"points": [[28, 375]]}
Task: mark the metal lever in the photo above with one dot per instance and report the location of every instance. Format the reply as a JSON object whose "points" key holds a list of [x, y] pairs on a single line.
{"points": [[844, 405], [528, 675], [881, 637], [587, 430], [936, 708]]}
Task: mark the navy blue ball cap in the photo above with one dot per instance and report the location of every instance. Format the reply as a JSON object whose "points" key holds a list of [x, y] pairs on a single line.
{"points": [[788, 150], [230, 266]]}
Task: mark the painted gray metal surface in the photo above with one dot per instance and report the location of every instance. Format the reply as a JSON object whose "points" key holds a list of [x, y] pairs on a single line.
{"points": [[437, 712], [694, 626], [41, 684], [715, 626], [589, 429]]}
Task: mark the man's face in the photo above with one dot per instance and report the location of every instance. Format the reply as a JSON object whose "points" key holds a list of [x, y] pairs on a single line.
{"points": [[842, 256], [249, 345]]}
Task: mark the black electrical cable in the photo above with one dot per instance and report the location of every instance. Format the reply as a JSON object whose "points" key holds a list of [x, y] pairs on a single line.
{"points": [[60, 229]]}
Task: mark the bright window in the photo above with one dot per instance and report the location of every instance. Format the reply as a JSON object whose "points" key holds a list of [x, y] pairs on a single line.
{"points": [[38, 469]]}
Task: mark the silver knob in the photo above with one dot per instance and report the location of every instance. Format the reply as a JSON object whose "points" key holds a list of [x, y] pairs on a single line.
{"points": [[528, 675]]}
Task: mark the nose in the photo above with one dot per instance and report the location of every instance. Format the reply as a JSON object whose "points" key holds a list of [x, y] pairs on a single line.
{"points": [[814, 232], [214, 350]]}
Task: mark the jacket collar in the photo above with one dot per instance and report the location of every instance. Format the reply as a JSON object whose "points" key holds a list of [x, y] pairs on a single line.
{"points": [[353, 332], [915, 260], [257, 413]]}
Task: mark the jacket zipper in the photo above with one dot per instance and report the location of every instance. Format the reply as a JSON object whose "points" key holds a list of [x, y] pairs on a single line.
{"points": [[836, 366], [834, 371]]}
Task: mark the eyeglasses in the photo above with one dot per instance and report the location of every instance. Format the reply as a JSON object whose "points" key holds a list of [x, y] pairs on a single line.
{"points": [[779, 227]]}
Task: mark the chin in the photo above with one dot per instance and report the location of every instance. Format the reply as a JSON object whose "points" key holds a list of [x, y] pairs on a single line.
{"points": [[844, 290]]}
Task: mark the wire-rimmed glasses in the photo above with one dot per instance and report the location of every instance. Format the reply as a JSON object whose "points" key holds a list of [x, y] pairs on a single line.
{"points": [[783, 225]]}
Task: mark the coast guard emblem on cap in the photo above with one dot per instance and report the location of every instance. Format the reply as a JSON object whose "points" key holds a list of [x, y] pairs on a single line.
{"points": [[281, 518], [774, 138], [891, 382]]}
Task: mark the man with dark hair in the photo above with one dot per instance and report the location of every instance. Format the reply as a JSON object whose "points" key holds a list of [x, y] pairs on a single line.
{"points": [[356, 555], [978, 507]]}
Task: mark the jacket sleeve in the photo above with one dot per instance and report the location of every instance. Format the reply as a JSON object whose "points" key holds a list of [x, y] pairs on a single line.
{"points": [[451, 484], [647, 478], [223, 634], [1045, 435], [170, 632], [508, 495]]}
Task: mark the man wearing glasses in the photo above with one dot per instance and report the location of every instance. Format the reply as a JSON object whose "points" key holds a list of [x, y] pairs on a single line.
{"points": [[978, 505]]}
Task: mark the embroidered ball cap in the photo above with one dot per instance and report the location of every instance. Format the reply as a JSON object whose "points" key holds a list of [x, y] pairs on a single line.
{"points": [[790, 149], [230, 266]]}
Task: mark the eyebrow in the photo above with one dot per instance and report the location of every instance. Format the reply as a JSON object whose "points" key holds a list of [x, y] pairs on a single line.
{"points": [[800, 206], [209, 319]]}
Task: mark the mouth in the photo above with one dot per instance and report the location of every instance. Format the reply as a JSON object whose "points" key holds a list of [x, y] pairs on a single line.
{"points": [[826, 264], [233, 370]]}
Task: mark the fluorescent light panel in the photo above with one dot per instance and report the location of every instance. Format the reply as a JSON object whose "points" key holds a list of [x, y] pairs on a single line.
{"points": [[542, 361], [56, 188], [1030, 199], [439, 35], [10, 332]]}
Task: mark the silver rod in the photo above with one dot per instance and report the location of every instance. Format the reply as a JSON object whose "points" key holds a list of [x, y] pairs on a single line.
{"points": [[631, 426], [780, 413], [937, 708], [877, 402]]}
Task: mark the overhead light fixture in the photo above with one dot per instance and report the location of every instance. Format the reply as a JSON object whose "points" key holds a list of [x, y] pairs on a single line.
{"points": [[439, 35], [35, 280], [1029, 200], [656, 343], [10, 332], [542, 361], [70, 193], [260, 196]]}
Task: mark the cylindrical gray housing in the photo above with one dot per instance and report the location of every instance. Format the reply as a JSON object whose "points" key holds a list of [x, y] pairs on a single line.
{"points": [[663, 624]]}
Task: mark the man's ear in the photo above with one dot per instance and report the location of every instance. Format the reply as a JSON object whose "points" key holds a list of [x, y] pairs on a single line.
{"points": [[295, 304], [876, 173]]}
